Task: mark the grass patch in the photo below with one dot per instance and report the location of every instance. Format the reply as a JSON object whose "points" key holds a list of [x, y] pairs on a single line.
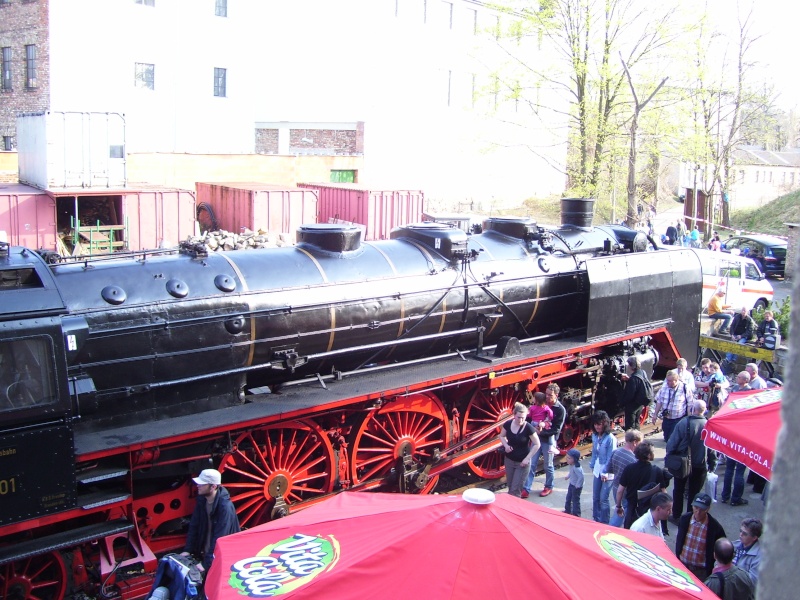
{"points": [[770, 217]]}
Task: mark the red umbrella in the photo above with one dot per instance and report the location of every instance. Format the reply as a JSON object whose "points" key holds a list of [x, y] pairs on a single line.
{"points": [[365, 545], [746, 429]]}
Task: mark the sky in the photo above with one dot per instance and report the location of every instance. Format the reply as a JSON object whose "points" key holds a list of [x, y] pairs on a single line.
{"points": [[776, 22]]}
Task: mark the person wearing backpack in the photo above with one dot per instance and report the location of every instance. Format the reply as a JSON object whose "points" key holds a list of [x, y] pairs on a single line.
{"points": [[638, 482], [637, 394], [686, 441]]}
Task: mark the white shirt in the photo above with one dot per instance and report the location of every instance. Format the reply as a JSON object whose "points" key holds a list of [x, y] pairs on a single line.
{"points": [[686, 377], [645, 524]]}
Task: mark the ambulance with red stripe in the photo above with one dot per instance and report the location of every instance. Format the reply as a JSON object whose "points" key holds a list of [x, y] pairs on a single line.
{"points": [[744, 284]]}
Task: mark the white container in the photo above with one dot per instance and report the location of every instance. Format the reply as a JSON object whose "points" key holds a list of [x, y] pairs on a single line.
{"points": [[71, 150]]}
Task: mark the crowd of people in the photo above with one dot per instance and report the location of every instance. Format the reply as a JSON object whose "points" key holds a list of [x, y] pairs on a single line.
{"points": [[647, 496]]}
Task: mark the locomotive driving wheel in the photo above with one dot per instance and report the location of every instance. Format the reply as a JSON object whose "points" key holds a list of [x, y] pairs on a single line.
{"points": [[487, 407], [414, 427], [275, 467], [42, 577], [571, 434]]}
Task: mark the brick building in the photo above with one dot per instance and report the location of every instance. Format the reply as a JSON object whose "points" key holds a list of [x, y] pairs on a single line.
{"points": [[25, 66]]}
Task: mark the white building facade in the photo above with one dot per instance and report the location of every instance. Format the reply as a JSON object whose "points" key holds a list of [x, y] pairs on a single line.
{"points": [[417, 82]]}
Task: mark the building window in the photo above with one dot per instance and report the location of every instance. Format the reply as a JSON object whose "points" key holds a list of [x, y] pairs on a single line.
{"points": [[145, 76], [741, 176], [6, 67], [344, 176], [8, 144], [219, 82], [221, 8], [30, 66], [146, 2]]}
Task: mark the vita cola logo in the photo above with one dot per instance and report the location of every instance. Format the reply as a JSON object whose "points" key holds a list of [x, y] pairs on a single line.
{"points": [[284, 566], [643, 560]]}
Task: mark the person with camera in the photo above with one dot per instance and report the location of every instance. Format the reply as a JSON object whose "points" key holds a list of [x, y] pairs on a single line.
{"points": [[713, 384], [671, 403], [686, 441]]}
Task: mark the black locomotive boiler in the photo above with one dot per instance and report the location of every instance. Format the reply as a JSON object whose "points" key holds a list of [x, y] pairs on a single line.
{"points": [[298, 372]]}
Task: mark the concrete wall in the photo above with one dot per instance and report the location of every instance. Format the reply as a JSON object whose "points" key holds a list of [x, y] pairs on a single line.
{"points": [[184, 170]]}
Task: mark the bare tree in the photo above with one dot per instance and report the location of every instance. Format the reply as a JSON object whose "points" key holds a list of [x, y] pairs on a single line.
{"points": [[638, 106], [726, 112], [584, 35]]}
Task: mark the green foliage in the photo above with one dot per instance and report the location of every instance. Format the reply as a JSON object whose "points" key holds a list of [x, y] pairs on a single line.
{"points": [[780, 313]]}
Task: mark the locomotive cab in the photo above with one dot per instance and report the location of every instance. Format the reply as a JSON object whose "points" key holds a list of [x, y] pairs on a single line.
{"points": [[34, 399]]}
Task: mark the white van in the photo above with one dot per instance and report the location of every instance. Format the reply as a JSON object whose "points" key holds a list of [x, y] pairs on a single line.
{"points": [[739, 276]]}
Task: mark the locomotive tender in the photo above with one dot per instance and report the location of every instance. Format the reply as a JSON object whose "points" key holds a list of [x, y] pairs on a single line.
{"points": [[298, 372]]}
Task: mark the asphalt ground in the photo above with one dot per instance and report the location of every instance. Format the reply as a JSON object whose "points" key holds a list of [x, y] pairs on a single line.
{"points": [[730, 517]]}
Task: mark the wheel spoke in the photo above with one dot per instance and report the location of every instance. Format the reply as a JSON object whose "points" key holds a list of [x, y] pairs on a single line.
{"points": [[281, 460], [415, 424], [486, 408], [42, 577]]}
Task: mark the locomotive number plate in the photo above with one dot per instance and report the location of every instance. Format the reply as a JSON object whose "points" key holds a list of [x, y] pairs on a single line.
{"points": [[37, 473]]}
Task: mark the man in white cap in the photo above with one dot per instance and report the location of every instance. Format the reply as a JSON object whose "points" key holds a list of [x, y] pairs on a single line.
{"points": [[214, 517]]}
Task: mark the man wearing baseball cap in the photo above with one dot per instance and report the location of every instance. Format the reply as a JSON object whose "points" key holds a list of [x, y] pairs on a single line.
{"points": [[214, 517], [697, 533]]}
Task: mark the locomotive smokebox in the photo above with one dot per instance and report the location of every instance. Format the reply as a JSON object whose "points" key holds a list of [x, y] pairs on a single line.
{"points": [[577, 212]]}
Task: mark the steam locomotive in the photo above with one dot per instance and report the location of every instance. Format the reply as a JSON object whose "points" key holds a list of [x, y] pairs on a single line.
{"points": [[298, 372]]}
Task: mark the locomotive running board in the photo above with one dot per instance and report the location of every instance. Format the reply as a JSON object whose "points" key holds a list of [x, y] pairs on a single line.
{"points": [[58, 541]]}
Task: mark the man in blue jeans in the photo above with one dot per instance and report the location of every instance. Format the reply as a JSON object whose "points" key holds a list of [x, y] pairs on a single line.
{"points": [[734, 473], [547, 437]]}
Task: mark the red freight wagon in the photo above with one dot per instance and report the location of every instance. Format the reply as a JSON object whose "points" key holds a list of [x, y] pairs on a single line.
{"points": [[378, 210], [101, 221], [258, 206], [28, 216]]}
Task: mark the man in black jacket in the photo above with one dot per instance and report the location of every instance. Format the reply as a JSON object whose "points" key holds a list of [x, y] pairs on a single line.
{"points": [[743, 330], [686, 437], [214, 517], [634, 396], [697, 533]]}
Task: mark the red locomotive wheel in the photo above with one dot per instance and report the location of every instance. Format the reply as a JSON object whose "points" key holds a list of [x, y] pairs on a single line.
{"points": [[292, 460], [415, 424], [41, 577], [571, 434], [487, 407], [644, 415]]}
